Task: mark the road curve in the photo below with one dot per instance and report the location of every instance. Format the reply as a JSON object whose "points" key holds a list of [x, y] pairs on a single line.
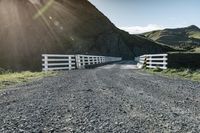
{"points": [[114, 98]]}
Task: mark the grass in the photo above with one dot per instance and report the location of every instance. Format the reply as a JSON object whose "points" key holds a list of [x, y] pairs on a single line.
{"points": [[196, 50], [193, 75], [9, 78], [195, 35]]}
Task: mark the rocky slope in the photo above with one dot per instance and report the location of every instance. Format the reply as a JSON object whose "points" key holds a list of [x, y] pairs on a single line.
{"points": [[180, 37], [29, 28]]}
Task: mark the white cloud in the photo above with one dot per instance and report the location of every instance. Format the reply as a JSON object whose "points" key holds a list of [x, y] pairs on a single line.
{"points": [[142, 29]]}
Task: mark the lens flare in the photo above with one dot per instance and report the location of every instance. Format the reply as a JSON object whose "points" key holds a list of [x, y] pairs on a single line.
{"points": [[43, 9]]}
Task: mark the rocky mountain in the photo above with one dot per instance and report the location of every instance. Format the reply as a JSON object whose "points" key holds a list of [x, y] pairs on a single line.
{"points": [[29, 28], [181, 37]]}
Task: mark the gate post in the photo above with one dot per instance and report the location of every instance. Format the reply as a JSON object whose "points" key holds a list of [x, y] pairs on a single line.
{"points": [[70, 63], [78, 65], [88, 60], [150, 61], [45, 62], [164, 62]]}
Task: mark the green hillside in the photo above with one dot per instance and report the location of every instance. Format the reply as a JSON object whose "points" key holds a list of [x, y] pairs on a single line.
{"points": [[195, 50], [188, 37], [194, 34]]}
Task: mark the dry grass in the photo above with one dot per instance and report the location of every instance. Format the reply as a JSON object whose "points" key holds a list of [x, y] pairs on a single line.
{"points": [[181, 73], [9, 78]]}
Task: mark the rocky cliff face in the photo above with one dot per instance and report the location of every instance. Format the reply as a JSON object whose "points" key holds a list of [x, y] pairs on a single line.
{"points": [[29, 28]]}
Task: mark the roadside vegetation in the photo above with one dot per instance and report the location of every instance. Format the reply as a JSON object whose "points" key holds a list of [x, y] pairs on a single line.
{"points": [[180, 73], [13, 78], [196, 50]]}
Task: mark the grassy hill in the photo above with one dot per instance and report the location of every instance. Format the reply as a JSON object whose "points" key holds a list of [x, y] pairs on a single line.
{"points": [[187, 38], [29, 28], [196, 50]]}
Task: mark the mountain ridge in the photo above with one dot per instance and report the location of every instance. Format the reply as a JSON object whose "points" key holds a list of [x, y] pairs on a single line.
{"points": [[177, 37]]}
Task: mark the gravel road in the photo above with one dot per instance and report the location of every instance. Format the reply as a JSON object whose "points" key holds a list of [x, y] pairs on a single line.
{"points": [[110, 99]]}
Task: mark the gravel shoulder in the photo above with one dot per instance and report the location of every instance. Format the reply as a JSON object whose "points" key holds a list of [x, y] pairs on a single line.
{"points": [[111, 98]]}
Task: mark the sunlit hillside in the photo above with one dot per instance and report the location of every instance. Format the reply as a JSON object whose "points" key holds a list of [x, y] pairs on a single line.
{"points": [[188, 37], [29, 28]]}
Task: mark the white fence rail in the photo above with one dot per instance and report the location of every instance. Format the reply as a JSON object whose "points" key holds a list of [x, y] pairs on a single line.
{"points": [[83, 60], [69, 62], [152, 61], [58, 62]]}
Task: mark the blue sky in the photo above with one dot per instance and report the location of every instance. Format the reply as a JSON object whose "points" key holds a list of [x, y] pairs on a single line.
{"points": [[138, 16]]}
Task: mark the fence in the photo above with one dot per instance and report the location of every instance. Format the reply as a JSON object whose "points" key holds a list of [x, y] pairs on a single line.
{"points": [[83, 60], [152, 61], [69, 62], [58, 62]]}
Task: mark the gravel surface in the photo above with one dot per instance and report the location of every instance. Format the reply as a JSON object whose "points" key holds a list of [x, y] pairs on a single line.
{"points": [[111, 98]]}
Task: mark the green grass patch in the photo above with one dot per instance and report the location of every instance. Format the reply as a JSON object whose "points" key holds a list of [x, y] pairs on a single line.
{"points": [[196, 50], [195, 35], [10, 78], [193, 75]]}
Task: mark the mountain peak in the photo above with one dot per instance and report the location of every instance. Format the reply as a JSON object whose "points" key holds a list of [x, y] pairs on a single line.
{"points": [[193, 27]]}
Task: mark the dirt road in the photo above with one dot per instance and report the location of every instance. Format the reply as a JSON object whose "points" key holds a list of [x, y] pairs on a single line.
{"points": [[112, 98]]}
